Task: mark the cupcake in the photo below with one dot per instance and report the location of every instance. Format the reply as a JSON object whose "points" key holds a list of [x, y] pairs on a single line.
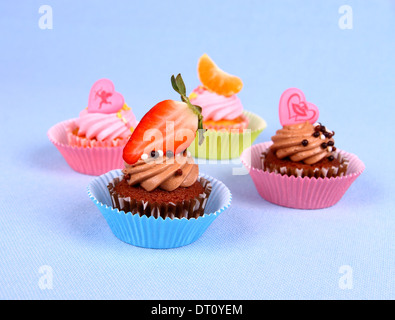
{"points": [[160, 187], [301, 167], [224, 116], [106, 122], [304, 150], [93, 142], [174, 190]]}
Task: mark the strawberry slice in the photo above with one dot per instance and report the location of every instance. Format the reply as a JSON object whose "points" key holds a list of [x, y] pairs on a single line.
{"points": [[169, 127]]}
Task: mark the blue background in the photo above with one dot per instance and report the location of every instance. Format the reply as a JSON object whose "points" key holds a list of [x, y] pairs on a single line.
{"points": [[255, 250]]}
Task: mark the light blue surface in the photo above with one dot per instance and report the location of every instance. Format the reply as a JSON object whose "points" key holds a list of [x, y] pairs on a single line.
{"points": [[254, 250]]}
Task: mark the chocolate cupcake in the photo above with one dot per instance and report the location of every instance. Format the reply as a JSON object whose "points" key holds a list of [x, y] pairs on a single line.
{"points": [[160, 177], [301, 167], [304, 150], [161, 187], [160, 200]]}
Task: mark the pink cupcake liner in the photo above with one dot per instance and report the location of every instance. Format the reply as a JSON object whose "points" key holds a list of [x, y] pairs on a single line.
{"points": [[87, 160], [297, 192]]}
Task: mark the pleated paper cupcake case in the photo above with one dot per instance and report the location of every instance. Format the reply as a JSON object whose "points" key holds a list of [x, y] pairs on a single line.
{"points": [[86, 160], [297, 192], [151, 232]]}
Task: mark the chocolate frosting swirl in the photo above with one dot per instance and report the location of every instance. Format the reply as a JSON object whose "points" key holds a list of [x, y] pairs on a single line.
{"points": [[167, 173], [303, 142]]}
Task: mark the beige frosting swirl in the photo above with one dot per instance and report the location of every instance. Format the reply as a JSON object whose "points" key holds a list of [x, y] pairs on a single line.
{"points": [[303, 142], [163, 172]]}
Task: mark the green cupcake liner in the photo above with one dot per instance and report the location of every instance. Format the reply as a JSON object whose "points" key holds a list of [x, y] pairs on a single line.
{"points": [[222, 145]]}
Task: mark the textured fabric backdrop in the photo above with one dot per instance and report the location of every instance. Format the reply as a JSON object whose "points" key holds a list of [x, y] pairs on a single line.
{"points": [[54, 243]]}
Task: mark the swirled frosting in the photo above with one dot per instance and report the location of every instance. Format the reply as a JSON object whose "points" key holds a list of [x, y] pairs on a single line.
{"points": [[303, 142], [102, 126], [167, 173], [216, 107]]}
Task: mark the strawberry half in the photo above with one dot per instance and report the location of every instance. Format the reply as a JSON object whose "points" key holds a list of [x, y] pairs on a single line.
{"points": [[169, 127]]}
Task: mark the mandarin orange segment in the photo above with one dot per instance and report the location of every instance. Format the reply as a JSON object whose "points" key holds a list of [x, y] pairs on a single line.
{"points": [[216, 80]]}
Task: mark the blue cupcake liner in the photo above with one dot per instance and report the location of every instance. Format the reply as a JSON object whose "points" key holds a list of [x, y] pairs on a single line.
{"points": [[157, 233]]}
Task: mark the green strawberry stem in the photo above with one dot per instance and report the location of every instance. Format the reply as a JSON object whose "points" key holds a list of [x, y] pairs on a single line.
{"points": [[179, 86]]}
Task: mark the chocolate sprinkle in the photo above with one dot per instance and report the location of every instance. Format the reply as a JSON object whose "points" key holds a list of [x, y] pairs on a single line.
{"points": [[305, 142], [169, 154], [331, 143], [154, 154], [331, 158], [178, 172], [324, 145], [316, 134]]}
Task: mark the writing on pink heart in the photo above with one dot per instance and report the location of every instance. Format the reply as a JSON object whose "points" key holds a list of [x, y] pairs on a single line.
{"points": [[293, 108], [103, 98]]}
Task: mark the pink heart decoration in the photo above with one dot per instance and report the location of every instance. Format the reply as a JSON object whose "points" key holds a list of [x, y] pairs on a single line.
{"points": [[103, 98], [294, 108]]}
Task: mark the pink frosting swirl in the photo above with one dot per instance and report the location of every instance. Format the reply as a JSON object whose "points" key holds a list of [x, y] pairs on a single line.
{"points": [[103, 126], [216, 107]]}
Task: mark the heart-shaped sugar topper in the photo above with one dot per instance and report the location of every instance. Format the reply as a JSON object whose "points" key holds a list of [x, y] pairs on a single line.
{"points": [[294, 108], [103, 98]]}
